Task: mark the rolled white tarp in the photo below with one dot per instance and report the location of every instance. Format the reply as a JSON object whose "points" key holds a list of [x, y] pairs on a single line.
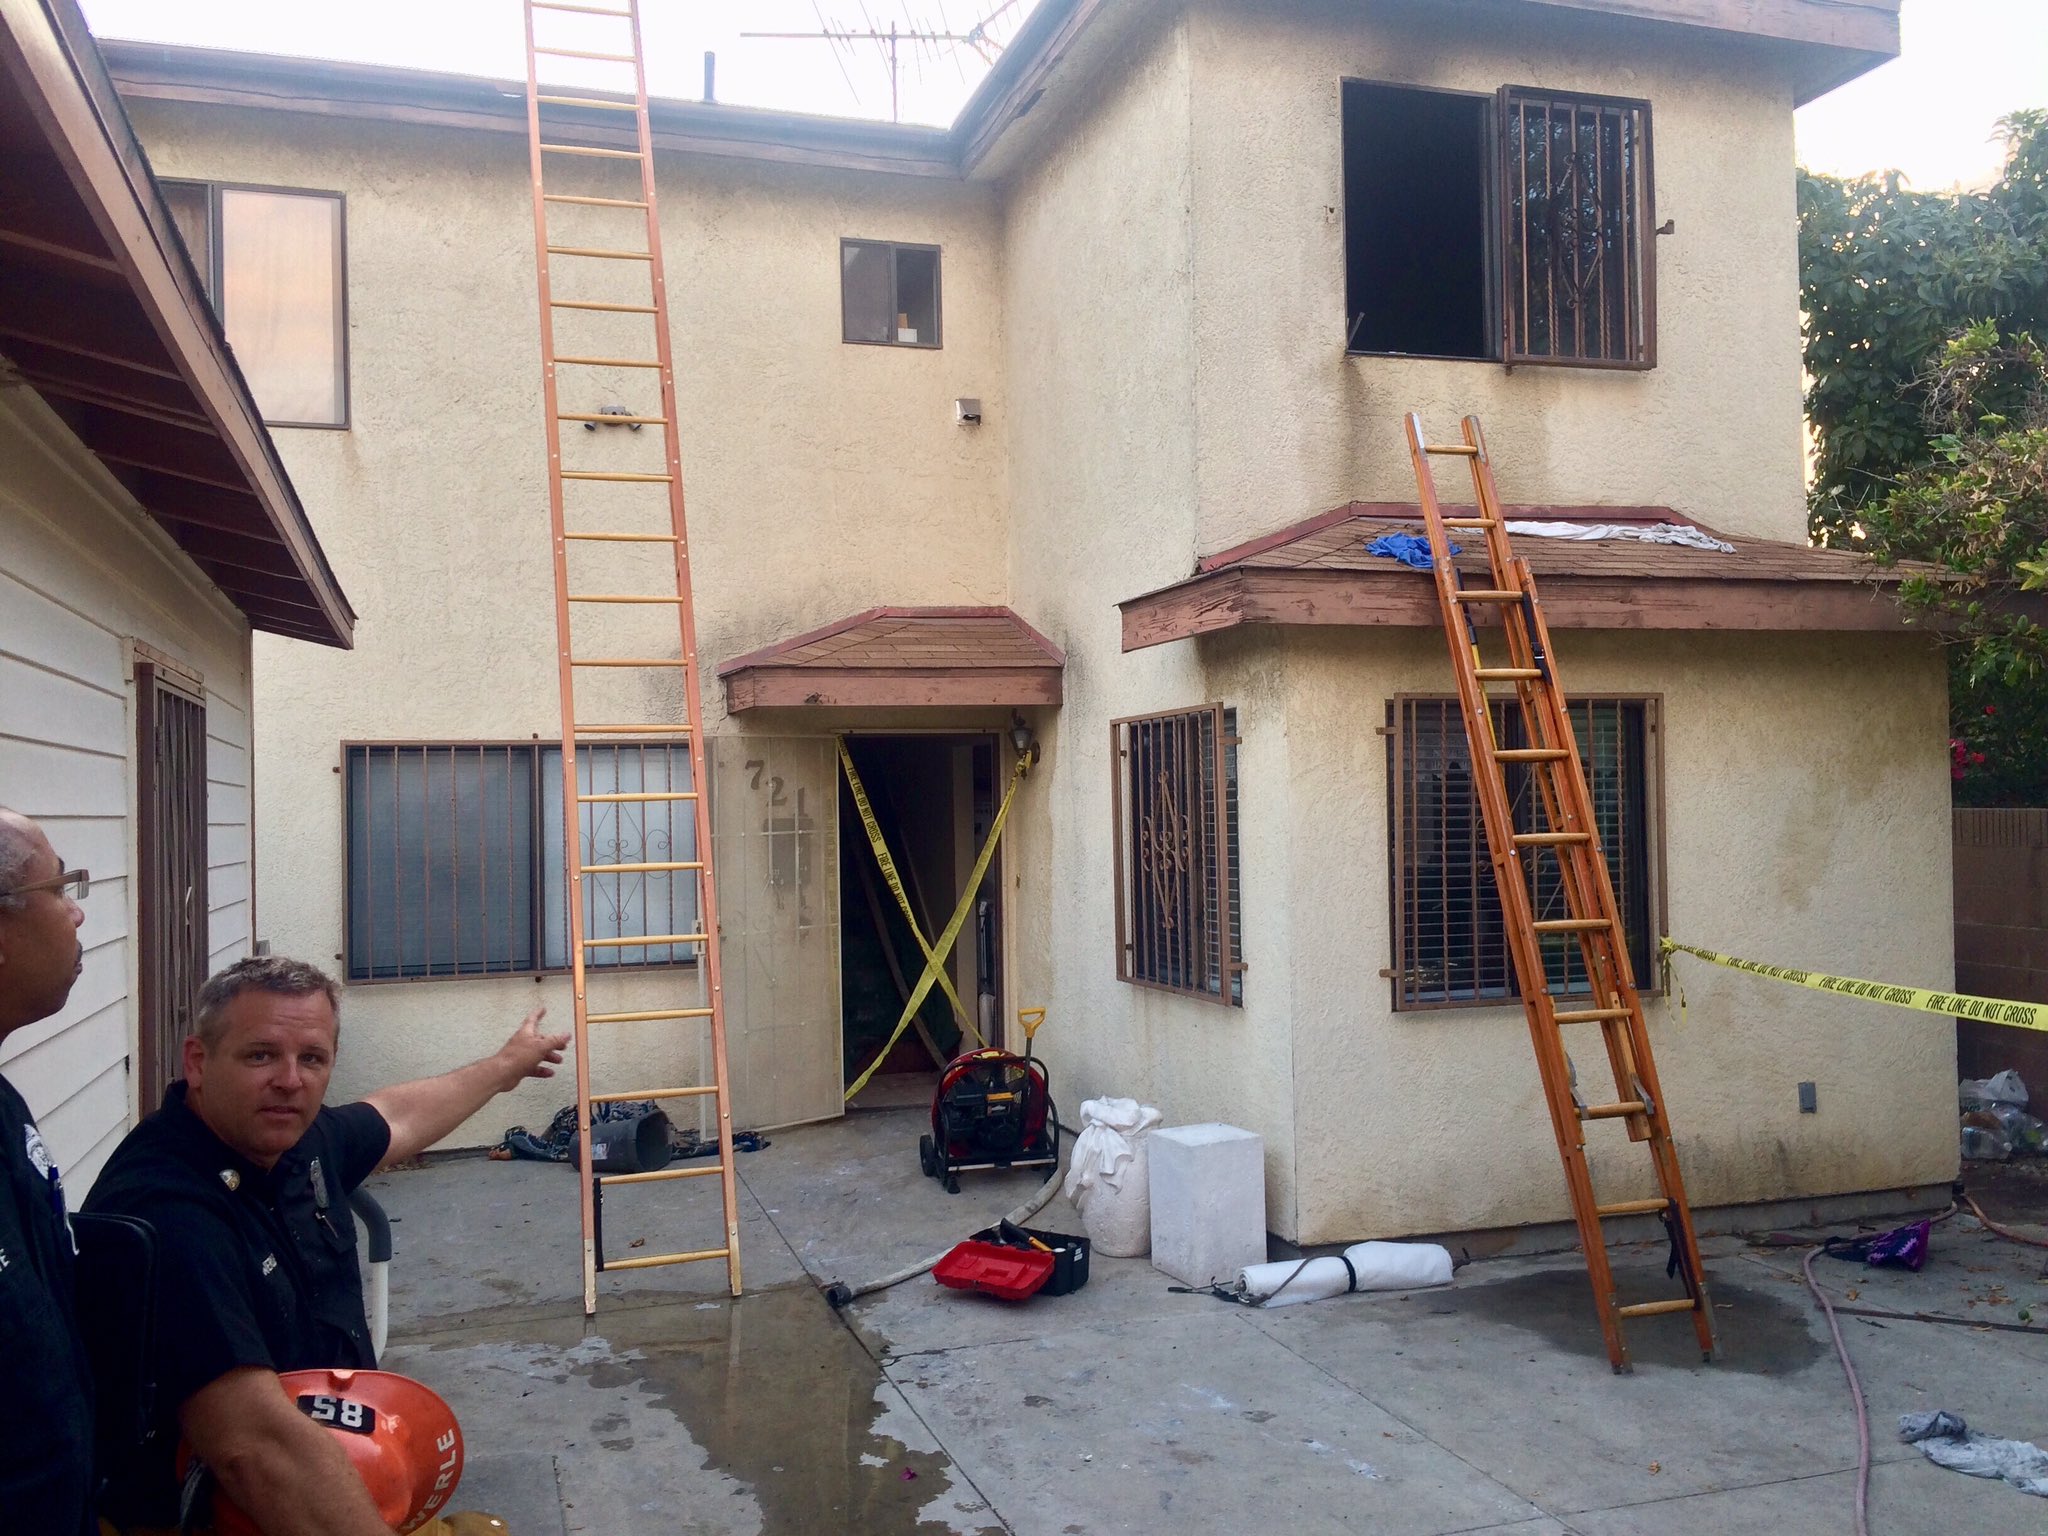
{"points": [[1361, 1267]]}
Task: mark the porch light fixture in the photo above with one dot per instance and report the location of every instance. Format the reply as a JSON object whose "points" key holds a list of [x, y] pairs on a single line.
{"points": [[1022, 739]]}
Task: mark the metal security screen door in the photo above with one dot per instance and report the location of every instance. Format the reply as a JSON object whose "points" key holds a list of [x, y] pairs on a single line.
{"points": [[170, 869]]}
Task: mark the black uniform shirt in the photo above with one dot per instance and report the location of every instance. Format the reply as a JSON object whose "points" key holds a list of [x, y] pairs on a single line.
{"points": [[255, 1267], [46, 1479]]}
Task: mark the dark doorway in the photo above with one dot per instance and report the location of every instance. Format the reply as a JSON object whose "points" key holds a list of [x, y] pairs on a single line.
{"points": [[934, 799]]}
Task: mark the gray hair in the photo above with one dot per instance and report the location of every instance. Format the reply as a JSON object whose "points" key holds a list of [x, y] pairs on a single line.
{"points": [[17, 853], [259, 973]]}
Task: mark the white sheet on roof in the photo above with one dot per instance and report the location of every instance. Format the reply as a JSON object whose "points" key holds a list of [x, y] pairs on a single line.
{"points": [[1650, 533]]}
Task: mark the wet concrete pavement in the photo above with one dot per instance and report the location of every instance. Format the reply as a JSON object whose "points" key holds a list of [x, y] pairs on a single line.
{"points": [[1486, 1406]]}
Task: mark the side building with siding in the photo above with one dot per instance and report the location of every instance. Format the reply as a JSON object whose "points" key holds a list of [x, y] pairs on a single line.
{"points": [[146, 527]]}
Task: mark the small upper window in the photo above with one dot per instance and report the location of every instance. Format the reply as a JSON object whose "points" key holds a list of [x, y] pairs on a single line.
{"points": [[889, 294], [271, 262], [1515, 227]]}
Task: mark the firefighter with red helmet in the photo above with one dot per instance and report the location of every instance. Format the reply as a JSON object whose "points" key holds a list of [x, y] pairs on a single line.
{"points": [[245, 1175]]}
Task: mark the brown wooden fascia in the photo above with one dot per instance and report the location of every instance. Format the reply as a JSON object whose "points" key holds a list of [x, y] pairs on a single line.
{"points": [[1403, 599], [772, 687]]}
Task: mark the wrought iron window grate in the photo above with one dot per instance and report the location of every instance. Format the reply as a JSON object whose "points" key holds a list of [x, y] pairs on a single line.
{"points": [[1576, 217], [1180, 919], [455, 863], [1450, 943]]}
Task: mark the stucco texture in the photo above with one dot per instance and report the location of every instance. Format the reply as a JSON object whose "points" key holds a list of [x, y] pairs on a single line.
{"points": [[811, 468], [1149, 302]]}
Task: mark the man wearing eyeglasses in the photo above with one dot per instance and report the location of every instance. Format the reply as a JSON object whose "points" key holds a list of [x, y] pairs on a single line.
{"points": [[46, 1476]]}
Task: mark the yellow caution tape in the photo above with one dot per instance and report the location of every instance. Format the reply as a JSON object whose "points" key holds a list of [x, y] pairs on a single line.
{"points": [[934, 954], [1992, 1010], [895, 882]]}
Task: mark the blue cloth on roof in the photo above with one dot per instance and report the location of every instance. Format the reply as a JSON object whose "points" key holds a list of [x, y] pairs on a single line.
{"points": [[1408, 548]]}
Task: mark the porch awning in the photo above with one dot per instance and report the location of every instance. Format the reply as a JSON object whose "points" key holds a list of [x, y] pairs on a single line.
{"points": [[893, 657], [1317, 572]]}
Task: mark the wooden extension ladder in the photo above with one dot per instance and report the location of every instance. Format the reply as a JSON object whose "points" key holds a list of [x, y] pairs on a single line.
{"points": [[1570, 835], [564, 129]]}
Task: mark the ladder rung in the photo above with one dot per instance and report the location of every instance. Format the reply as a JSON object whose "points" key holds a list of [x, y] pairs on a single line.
{"points": [[623, 538], [1632, 1208], [659, 1175], [611, 362], [638, 794], [600, 252], [1657, 1308], [1588, 1015], [1614, 1111], [601, 103], [1572, 925], [1458, 450], [642, 869], [655, 1260], [615, 421], [661, 1093], [1467, 522], [621, 597], [586, 10], [648, 940], [581, 53], [609, 309], [1550, 839], [1506, 674], [626, 476], [627, 661], [1531, 755], [1486, 595], [591, 149], [646, 1013]]}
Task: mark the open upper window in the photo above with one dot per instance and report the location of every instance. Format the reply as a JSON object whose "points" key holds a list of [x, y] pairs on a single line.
{"points": [[1514, 228], [889, 293]]}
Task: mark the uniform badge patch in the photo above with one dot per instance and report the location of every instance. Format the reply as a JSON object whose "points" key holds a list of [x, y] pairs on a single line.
{"points": [[269, 1262], [231, 1178], [38, 1154]]}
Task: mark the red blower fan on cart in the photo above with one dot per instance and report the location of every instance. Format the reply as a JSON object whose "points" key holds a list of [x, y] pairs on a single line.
{"points": [[993, 1109]]}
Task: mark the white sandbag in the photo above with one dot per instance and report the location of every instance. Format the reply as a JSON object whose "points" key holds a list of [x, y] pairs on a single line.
{"points": [[1109, 1176], [1364, 1267]]}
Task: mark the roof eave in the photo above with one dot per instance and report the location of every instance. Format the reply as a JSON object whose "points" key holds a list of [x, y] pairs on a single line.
{"points": [[48, 58]]}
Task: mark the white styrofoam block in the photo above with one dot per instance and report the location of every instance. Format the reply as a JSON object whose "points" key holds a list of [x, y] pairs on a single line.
{"points": [[1208, 1202]]}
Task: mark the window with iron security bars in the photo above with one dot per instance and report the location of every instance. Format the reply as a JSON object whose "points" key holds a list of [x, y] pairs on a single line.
{"points": [[1578, 229], [1179, 919], [455, 858], [1450, 942]]}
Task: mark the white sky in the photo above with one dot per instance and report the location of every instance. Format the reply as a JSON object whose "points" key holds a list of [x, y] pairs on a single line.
{"points": [[1930, 113]]}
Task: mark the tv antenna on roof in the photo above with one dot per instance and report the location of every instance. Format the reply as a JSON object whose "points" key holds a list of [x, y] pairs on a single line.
{"points": [[976, 37]]}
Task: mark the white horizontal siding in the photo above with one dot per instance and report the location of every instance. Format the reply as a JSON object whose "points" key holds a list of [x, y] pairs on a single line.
{"points": [[81, 575]]}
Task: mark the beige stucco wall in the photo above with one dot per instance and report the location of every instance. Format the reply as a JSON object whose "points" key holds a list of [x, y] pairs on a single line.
{"points": [[1099, 308], [1288, 426], [812, 469], [1174, 294], [82, 573], [1805, 823]]}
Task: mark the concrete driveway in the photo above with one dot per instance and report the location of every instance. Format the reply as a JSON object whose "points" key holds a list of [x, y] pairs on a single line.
{"points": [[1485, 1406]]}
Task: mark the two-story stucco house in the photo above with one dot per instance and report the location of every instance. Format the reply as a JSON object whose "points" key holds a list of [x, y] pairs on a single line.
{"points": [[1073, 422]]}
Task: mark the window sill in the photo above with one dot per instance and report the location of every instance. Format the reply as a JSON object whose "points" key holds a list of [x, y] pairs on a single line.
{"points": [[1513, 1000], [906, 346], [652, 968]]}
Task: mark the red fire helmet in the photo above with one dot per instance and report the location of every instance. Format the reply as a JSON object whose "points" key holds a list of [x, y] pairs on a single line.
{"points": [[400, 1436]]}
